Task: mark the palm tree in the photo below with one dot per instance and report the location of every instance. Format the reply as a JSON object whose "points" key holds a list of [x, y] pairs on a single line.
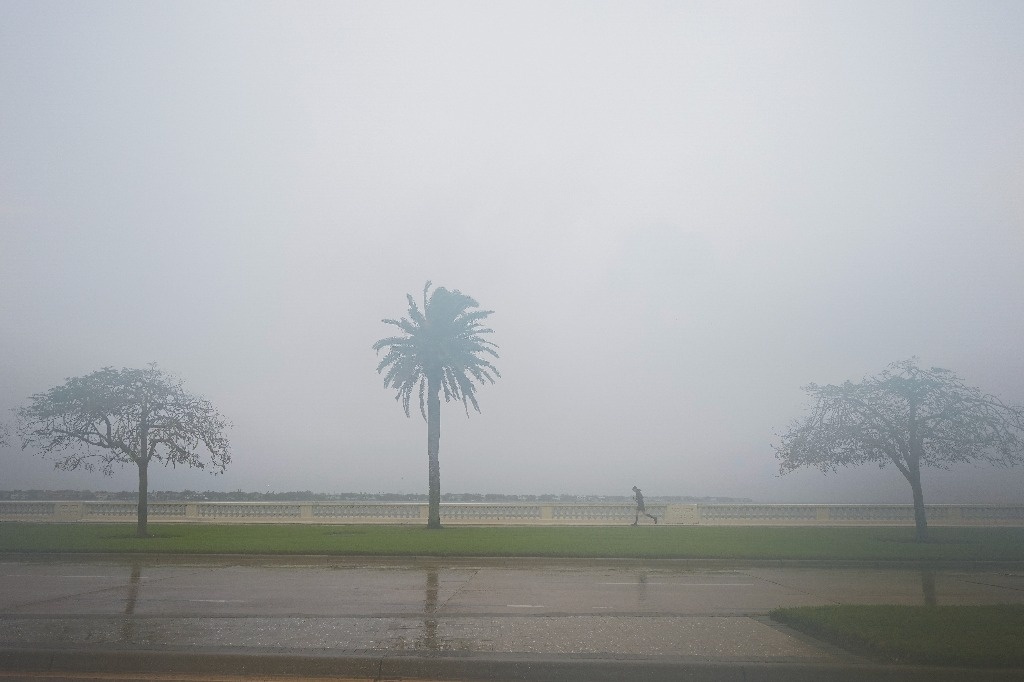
{"points": [[441, 350]]}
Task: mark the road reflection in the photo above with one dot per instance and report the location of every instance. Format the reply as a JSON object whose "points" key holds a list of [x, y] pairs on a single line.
{"points": [[430, 639], [641, 592], [128, 622], [928, 586]]}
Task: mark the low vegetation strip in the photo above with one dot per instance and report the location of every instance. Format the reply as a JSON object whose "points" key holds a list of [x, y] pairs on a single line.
{"points": [[978, 636], [693, 542]]}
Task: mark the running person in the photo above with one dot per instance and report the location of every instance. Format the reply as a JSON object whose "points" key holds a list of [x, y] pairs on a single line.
{"points": [[640, 508]]}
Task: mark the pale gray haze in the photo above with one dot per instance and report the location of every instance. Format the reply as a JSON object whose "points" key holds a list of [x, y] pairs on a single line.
{"points": [[680, 213]]}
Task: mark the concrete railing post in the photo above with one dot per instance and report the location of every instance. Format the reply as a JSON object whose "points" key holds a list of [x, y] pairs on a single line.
{"points": [[68, 511], [682, 515]]}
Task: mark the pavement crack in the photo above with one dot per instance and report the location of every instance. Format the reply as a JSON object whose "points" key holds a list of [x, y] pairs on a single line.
{"points": [[444, 605], [785, 586], [988, 584]]}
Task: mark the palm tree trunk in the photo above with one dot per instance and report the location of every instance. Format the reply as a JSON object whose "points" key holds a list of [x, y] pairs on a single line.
{"points": [[433, 446]]}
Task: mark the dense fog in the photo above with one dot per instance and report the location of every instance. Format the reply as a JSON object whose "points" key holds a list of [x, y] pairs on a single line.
{"points": [[680, 213]]}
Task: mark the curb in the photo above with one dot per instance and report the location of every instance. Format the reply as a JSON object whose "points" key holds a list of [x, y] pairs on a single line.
{"points": [[465, 668], [455, 560]]}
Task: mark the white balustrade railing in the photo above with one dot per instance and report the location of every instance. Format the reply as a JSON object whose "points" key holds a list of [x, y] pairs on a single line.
{"points": [[612, 513], [985, 513], [726, 513], [345, 512], [482, 513], [502, 513], [228, 511], [28, 511]]}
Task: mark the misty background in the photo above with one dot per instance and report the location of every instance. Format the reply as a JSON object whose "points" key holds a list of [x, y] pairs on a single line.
{"points": [[680, 213]]}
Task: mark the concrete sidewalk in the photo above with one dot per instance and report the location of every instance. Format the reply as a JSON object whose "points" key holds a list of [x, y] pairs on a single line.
{"points": [[452, 619]]}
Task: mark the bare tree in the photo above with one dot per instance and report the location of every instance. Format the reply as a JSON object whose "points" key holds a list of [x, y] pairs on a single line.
{"points": [[440, 351], [908, 417], [115, 417]]}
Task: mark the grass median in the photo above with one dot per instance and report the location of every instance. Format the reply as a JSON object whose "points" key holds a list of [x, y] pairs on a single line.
{"points": [[988, 636], [654, 542]]}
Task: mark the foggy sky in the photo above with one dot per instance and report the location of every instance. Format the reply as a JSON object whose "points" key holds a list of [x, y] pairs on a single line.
{"points": [[680, 213]]}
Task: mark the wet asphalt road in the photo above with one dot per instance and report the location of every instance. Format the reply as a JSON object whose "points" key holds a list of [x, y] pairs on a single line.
{"points": [[658, 611]]}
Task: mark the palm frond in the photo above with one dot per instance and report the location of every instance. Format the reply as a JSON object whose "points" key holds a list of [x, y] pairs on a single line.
{"points": [[443, 340]]}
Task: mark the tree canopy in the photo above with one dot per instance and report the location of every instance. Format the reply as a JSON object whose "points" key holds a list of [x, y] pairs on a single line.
{"points": [[116, 417], [907, 416], [441, 351]]}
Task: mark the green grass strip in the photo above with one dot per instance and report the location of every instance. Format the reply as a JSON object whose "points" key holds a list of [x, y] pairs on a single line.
{"points": [[975, 636], [678, 542]]}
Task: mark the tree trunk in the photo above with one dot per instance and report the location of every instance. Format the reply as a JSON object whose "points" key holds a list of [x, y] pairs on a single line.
{"points": [[913, 459], [140, 530], [920, 520], [433, 446]]}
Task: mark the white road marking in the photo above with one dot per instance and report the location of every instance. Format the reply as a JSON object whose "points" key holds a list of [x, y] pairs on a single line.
{"points": [[525, 606], [114, 577], [220, 601], [683, 584], [19, 575], [79, 577]]}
